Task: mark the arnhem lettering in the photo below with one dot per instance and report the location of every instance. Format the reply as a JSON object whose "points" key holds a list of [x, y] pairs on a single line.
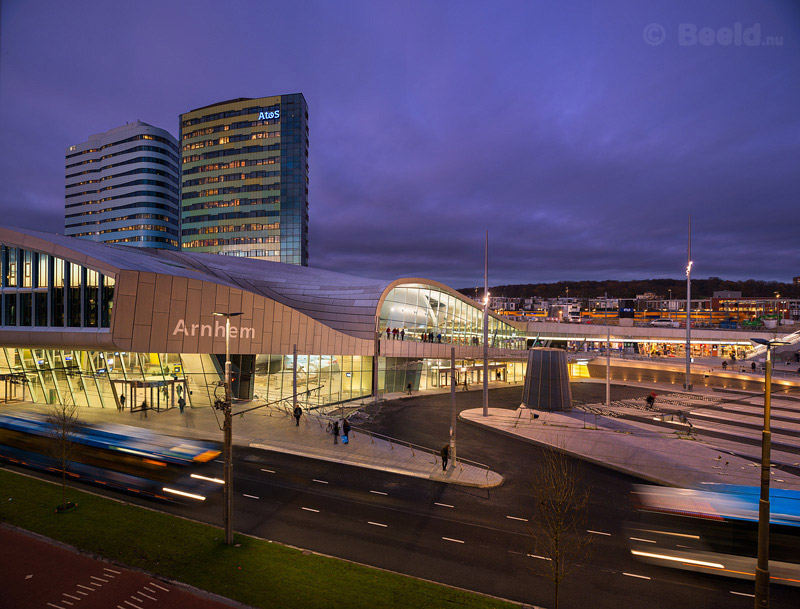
{"points": [[218, 330], [263, 116]]}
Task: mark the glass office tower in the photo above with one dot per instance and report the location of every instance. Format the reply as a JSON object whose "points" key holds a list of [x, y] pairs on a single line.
{"points": [[244, 173]]}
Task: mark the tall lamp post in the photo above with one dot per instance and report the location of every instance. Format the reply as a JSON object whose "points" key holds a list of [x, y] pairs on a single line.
{"points": [[762, 566], [486, 329], [688, 383], [227, 432]]}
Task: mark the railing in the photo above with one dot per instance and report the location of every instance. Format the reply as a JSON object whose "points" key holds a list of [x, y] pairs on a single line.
{"points": [[285, 406]]}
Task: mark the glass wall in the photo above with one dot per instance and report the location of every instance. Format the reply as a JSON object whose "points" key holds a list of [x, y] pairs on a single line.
{"points": [[425, 313], [396, 373], [40, 290]]}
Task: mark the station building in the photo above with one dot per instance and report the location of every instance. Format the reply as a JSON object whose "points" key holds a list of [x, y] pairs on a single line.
{"points": [[114, 326]]}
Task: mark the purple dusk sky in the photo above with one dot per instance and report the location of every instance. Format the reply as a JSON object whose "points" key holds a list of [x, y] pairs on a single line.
{"points": [[581, 134]]}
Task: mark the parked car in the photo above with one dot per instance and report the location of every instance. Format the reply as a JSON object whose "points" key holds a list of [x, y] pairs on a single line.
{"points": [[663, 322]]}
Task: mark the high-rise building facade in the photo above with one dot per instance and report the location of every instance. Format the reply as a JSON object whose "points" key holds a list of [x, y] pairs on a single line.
{"points": [[123, 186], [244, 178]]}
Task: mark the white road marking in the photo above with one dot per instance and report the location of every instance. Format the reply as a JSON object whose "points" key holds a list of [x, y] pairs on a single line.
{"points": [[56, 606], [86, 587], [138, 600], [539, 557], [320, 481], [640, 539], [159, 587], [96, 585], [377, 524], [634, 575], [598, 532], [152, 598], [149, 590], [453, 540], [66, 602], [743, 594], [249, 496], [269, 471], [133, 605], [100, 579], [443, 504], [81, 592], [378, 493], [310, 509], [112, 570], [515, 518], [75, 598], [218, 461]]}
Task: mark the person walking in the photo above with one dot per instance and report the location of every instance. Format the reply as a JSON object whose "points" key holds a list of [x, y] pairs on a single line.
{"points": [[298, 412], [439, 338], [394, 333], [402, 333], [181, 403], [388, 332], [335, 432], [408, 388], [753, 366], [122, 402], [445, 456], [345, 431]]}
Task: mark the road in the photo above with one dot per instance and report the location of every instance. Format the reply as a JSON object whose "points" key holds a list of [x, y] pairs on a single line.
{"points": [[471, 538]]}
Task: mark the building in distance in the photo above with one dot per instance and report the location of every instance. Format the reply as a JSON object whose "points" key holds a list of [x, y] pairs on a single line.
{"points": [[123, 186], [244, 172]]}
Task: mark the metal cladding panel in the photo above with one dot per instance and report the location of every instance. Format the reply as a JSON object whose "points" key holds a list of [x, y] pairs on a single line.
{"points": [[547, 380]]}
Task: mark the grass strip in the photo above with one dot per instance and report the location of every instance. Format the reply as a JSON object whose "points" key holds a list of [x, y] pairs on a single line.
{"points": [[258, 573]]}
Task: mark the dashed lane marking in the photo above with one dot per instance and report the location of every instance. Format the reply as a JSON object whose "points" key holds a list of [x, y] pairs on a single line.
{"points": [[159, 587], [378, 493], [82, 592], [539, 557], [320, 481], [133, 605], [447, 505], [516, 518], [249, 496], [310, 510], [453, 540], [598, 532], [56, 606], [100, 579], [85, 587], [138, 600], [75, 598], [377, 524], [149, 590], [743, 594], [640, 539], [112, 570], [152, 598], [634, 575], [65, 602]]}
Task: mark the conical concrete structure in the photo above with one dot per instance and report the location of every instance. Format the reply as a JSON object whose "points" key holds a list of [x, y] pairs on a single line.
{"points": [[547, 381]]}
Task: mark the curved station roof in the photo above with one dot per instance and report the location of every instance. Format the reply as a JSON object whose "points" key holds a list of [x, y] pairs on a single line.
{"points": [[342, 303]]}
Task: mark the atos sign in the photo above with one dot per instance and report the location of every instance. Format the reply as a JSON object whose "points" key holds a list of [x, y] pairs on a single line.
{"points": [[263, 116]]}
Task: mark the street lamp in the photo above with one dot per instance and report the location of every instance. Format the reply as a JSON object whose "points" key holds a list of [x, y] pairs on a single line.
{"points": [[227, 446], [762, 566]]}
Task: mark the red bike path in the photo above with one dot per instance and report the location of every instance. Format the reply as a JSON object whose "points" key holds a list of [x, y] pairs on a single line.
{"points": [[37, 574]]}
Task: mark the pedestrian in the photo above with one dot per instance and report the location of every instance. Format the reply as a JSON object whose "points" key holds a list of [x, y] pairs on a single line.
{"points": [[335, 432], [445, 456], [753, 366], [345, 431], [394, 333], [144, 408], [651, 399], [439, 338], [724, 365], [122, 402], [408, 388], [402, 333], [179, 390], [388, 332], [181, 403], [430, 337], [298, 412]]}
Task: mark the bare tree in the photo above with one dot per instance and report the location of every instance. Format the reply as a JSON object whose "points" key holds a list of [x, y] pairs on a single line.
{"points": [[63, 421], [559, 540]]}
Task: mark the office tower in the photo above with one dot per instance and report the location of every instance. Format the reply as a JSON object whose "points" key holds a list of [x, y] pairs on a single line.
{"points": [[244, 176], [123, 186]]}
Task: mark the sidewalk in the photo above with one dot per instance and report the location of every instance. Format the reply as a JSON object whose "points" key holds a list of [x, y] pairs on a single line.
{"points": [[273, 429], [645, 447]]}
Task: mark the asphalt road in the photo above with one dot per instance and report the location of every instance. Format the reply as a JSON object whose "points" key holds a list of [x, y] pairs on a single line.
{"points": [[471, 538]]}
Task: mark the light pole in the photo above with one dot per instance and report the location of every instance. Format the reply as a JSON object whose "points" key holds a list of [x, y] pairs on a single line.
{"points": [[688, 384], [762, 566], [486, 329], [227, 432]]}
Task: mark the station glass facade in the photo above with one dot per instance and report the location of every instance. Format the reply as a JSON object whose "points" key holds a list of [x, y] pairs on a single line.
{"points": [[423, 310], [45, 291]]}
